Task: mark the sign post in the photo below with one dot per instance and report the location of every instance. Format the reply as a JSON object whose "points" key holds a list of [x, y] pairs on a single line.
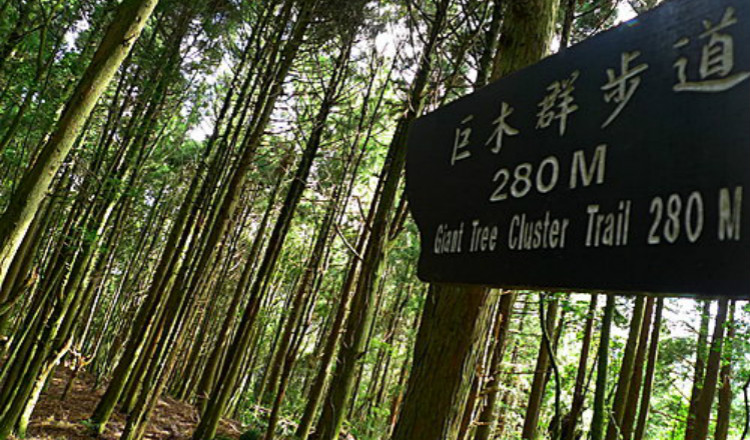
{"points": [[621, 164]]}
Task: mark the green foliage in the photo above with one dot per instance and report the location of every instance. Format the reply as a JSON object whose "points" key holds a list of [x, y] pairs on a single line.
{"points": [[252, 434]]}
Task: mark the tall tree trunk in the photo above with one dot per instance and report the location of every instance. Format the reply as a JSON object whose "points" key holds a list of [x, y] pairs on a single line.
{"points": [[599, 419], [631, 405], [362, 310], [19, 400], [317, 388], [208, 377], [700, 366], [527, 32], [650, 369], [708, 391], [298, 303], [567, 28], [541, 373], [288, 347], [455, 322], [526, 35], [484, 67], [614, 426], [487, 415], [329, 350], [123, 32], [471, 402], [354, 339], [169, 262], [231, 369], [570, 421], [12, 289], [725, 374]]}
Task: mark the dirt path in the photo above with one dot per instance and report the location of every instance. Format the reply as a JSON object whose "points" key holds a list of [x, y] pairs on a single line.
{"points": [[54, 419]]}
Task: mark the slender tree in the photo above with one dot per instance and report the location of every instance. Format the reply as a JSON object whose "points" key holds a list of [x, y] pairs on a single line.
{"points": [[599, 418], [526, 33], [624, 380], [571, 419], [127, 24], [701, 355], [229, 375], [125, 29], [724, 410], [648, 380], [713, 365]]}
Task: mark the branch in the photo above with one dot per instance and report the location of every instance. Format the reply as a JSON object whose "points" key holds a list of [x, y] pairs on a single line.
{"points": [[347, 244]]}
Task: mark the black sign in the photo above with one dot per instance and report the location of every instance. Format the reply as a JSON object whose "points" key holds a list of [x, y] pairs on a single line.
{"points": [[621, 164]]}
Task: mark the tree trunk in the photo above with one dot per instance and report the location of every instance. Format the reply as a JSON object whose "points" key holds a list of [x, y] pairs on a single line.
{"points": [[567, 28], [231, 369], [725, 392], [614, 426], [484, 67], [631, 405], [541, 371], [169, 263], [452, 324], [471, 403], [361, 315], [487, 415], [527, 31], [329, 350], [123, 32], [570, 421], [706, 397], [700, 366], [317, 388], [600, 411], [287, 349], [650, 369]]}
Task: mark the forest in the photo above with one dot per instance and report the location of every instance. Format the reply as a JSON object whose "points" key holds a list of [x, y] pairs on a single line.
{"points": [[204, 235]]}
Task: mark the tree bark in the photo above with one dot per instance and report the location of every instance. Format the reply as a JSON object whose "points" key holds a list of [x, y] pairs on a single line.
{"points": [[487, 415], [484, 66], [570, 10], [708, 391], [650, 369], [631, 405], [724, 410], [626, 370], [599, 418], [527, 31], [541, 373], [700, 366], [452, 324], [231, 369], [570, 421], [123, 32]]}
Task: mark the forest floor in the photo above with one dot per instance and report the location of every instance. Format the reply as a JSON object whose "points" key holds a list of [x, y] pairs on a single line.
{"points": [[54, 419]]}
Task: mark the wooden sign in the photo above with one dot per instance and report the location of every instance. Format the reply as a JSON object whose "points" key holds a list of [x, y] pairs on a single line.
{"points": [[621, 164]]}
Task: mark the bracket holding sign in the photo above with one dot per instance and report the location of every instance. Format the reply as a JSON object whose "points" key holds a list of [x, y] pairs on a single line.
{"points": [[621, 164]]}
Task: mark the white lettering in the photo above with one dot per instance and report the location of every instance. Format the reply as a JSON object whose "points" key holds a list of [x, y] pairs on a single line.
{"points": [[730, 214], [448, 241], [608, 228], [543, 233], [596, 168], [483, 238]]}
